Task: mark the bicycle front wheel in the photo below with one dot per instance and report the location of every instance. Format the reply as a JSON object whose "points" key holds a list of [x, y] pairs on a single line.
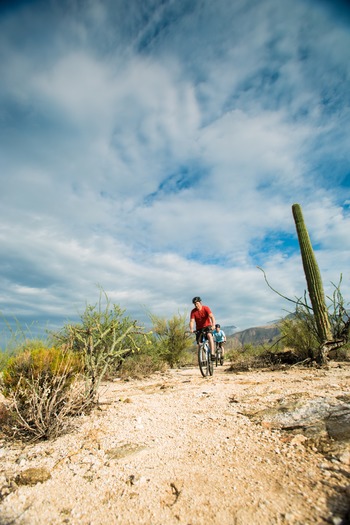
{"points": [[203, 360], [210, 362]]}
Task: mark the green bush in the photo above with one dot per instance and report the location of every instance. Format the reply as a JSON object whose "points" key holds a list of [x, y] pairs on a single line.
{"points": [[140, 365], [299, 337], [39, 364], [14, 349], [172, 341], [103, 337], [4, 358], [341, 354], [250, 356]]}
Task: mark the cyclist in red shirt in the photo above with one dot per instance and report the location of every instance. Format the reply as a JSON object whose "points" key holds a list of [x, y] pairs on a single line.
{"points": [[205, 320]]}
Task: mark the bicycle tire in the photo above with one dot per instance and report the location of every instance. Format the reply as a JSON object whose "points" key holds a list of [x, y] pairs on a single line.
{"points": [[210, 361], [203, 360]]}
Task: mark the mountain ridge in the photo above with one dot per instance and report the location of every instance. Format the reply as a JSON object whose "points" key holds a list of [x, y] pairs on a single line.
{"points": [[257, 334]]}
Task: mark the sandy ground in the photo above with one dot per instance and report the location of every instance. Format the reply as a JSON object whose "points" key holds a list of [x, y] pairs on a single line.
{"points": [[179, 449]]}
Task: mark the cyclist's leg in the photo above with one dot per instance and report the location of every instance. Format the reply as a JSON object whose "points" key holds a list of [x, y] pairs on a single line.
{"points": [[211, 343], [222, 346], [221, 353], [216, 353], [198, 338]]}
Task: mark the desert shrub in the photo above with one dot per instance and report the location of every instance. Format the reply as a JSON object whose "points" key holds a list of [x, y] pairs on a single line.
{"points": [[141, 364], [302, 332], [103, 337], [14, 349], [340, 354], [299, 331], [172, 341], [39, 364], [339, 314], [299, 336], [4, 358], [192, 355], [3, 415], [159, 354], [43, 387], [250, 356]]}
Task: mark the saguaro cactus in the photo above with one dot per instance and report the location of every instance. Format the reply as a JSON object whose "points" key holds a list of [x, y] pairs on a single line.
{"points": [[314, 282]]}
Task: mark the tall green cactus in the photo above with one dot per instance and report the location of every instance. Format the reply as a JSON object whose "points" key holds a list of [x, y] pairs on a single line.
{"points": [[313, 278]]}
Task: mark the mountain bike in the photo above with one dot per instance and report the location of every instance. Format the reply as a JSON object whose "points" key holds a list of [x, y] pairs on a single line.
{"points": [[206, 365], [219, 358]]}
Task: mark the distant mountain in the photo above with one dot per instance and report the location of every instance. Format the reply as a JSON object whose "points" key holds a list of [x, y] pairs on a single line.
{"points": [[229, 330], [256, 335]]}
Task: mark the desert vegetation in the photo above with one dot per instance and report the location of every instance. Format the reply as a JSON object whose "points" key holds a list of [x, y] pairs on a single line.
{"points": [[317, 328], [46, 383]]}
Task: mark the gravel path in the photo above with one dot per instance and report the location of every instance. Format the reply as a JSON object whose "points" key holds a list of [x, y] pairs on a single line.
{"points": [[179, 449]]}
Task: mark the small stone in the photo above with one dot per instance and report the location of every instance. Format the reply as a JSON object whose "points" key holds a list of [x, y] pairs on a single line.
{"points": [[123, 450], [21, 460], [32, 476], [298, 439], [345, 457], [336, 520]]}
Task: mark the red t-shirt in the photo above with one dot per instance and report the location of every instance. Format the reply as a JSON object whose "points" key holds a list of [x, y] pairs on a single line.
{"points": [[201, 317]]}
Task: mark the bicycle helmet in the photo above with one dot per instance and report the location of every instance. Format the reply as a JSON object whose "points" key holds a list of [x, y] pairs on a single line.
{"points": [[217, 326], [196, 300]]}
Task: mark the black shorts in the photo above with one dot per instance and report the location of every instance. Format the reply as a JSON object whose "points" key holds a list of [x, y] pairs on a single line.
{"points": [[199, 333]]}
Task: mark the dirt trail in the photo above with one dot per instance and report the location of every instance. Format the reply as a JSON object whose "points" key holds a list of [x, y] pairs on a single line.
{"points": [[179, 449]]}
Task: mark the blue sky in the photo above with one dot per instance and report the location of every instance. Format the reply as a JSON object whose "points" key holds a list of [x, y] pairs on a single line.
{"points": [[155, 148]]}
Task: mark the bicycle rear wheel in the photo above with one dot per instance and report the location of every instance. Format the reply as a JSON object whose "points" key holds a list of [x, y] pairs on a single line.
{"points": [[221, 355], [203, 360]]}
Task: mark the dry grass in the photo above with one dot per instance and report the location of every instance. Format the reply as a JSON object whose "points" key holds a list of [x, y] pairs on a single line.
{"points": [[42, 409]]}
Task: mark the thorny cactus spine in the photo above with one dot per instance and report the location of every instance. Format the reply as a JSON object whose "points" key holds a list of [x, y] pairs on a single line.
{"points": [[313, 278]]}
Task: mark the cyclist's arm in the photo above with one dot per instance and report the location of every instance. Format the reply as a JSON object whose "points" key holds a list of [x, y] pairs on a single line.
{"points": [[191, 325], [212, 318]]}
